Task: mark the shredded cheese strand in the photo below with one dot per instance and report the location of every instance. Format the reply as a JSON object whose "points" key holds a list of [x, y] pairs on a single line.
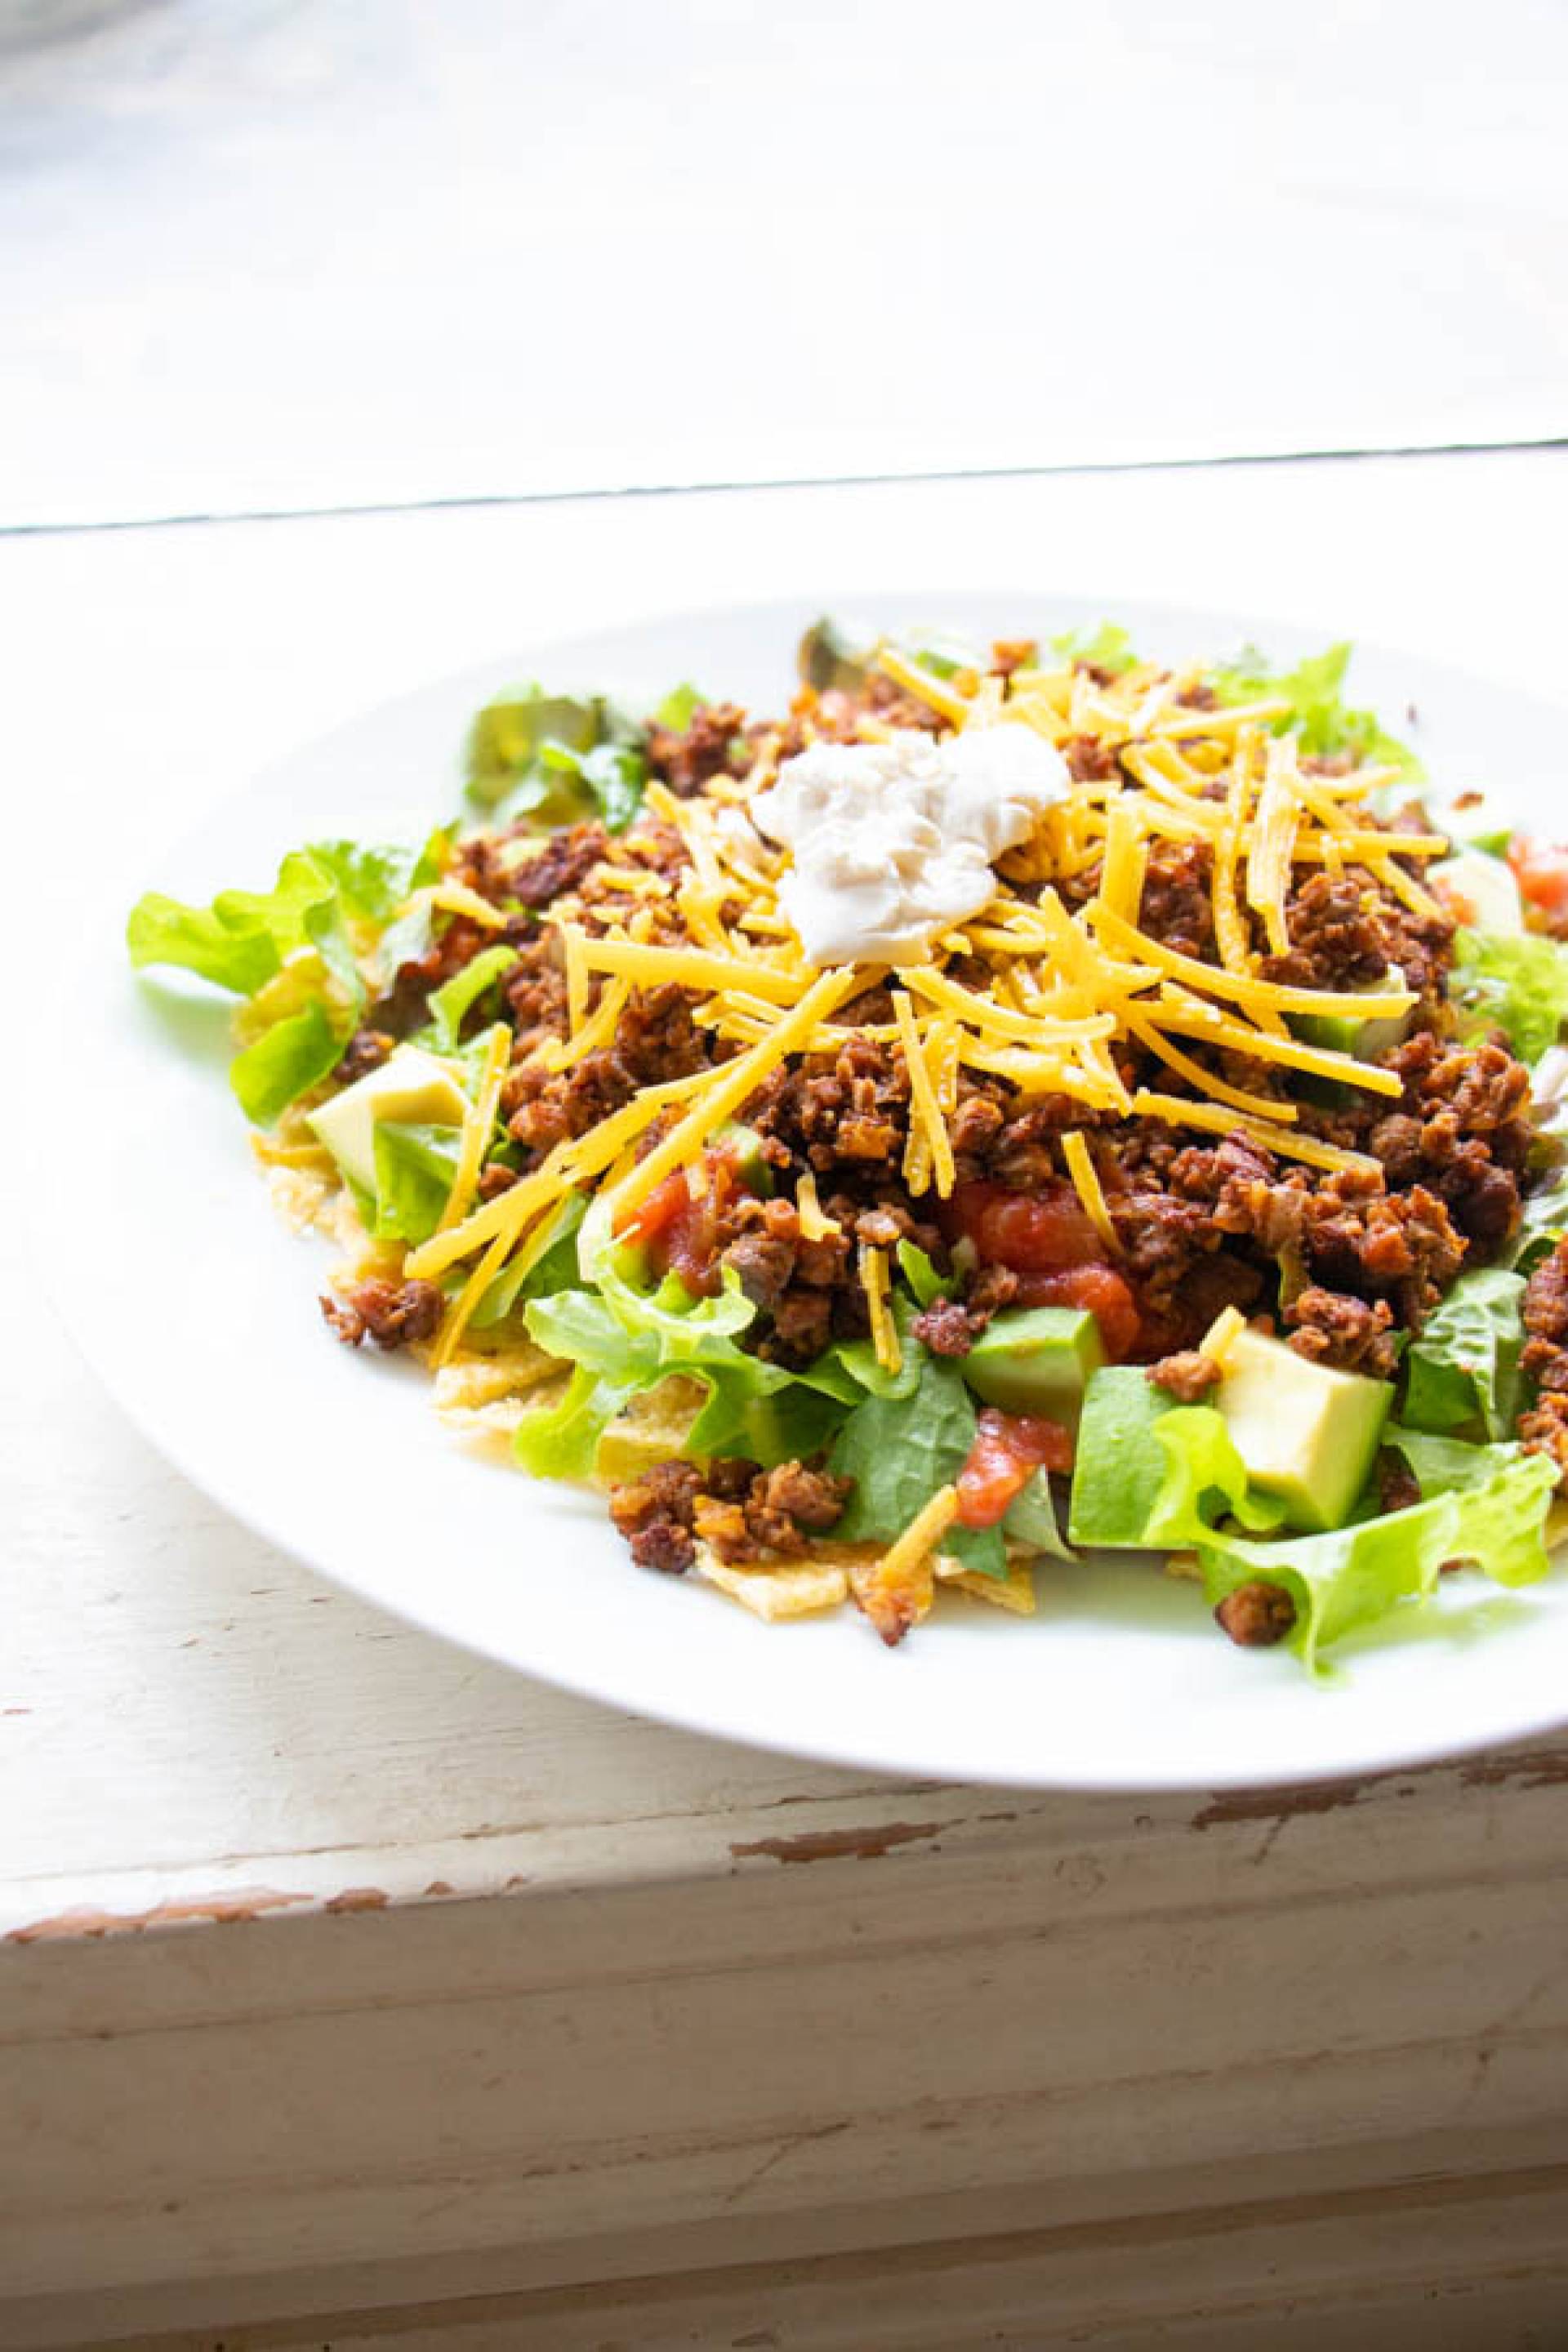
{"points": [[1221, 1090], [477, 1127], [1305, 1148], [935, 692], [875, 1283], [1267, 993], [922, 1535], [648, 966], [815, 1225], [1086, 1183]]}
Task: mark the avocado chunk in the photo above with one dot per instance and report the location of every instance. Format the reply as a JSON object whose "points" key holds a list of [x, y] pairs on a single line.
{"points": [[410, 1087], [1366, 1041], [1307, 1434], [1036, 1360]]}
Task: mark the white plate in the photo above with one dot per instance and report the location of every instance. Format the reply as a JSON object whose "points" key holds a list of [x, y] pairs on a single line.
{"points": [[199, 1312]]}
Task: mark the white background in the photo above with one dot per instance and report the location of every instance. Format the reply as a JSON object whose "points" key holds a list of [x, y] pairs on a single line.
{"points": [[263, 254]]}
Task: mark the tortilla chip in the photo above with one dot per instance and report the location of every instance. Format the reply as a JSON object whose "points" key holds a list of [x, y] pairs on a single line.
{"points": [[894, 1601], [1015, 1590], [653, 1428], [302, 1198], [469, 1382], [775, 1589]]}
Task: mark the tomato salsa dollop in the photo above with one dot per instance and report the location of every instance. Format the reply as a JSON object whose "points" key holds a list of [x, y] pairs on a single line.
{"points": [[1048, 1239]]}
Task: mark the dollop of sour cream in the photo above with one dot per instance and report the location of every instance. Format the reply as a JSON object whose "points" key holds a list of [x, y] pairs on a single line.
{"points": [[895, 842]]}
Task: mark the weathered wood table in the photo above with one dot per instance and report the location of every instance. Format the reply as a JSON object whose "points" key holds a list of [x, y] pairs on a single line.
{"points": [[354, 1992]]}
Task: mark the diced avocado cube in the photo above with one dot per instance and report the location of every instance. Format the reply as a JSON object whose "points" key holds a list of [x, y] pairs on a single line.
{"points": [[1307, 1434], [1367, 1041], [1036, 1360], [410, 1087], [1481, 890], [1120, 1464]]}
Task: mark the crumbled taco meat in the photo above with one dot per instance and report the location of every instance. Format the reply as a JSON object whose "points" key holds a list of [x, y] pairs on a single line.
{"points": [[1543, 1426], [388, 1313], [1256, 1615], [742, 1511], [1187, 1376]]}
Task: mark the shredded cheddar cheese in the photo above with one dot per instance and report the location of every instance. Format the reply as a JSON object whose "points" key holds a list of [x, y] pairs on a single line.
{"points": [[875, 1283], [1086, 1181], [922, 1535], [815, 1225], [478, 1126]]}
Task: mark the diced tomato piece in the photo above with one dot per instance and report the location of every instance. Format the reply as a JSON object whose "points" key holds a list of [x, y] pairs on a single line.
{"points": [[1008, 1449], [1027, 1230], [681, 1235], [1099, 1289], [665, 1206], [1541, 870]]}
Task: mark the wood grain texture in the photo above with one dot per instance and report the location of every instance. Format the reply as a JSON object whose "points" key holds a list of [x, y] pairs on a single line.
{"points": [[1071, 1995], [1423, 2269]]}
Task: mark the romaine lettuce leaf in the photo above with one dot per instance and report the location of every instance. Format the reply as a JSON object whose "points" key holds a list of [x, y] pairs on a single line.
{"points": [[1205, 1480], [554, 1270], [754, 1409], [407, 940], [920, 1274], [239, 942], [1121, 1467], [242, 941], [1440, 1464], [1108, 647], [1463, 1369], [1154, 1476], [452, 1001], [557, 757], [1357, 1574], [674, 712], [239, 955], [561, 1441], [753, 1414], [1315, 689], [373, 878], [858, 1358], [416, 1166], [284, 1062], [1544, 1222], [1518, 983], [505, 737], [899, 1449], [833, 655]]}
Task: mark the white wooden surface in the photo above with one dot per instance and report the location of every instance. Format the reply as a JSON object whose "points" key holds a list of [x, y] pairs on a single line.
{"points": [[542, 2026], [261, 254]]}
